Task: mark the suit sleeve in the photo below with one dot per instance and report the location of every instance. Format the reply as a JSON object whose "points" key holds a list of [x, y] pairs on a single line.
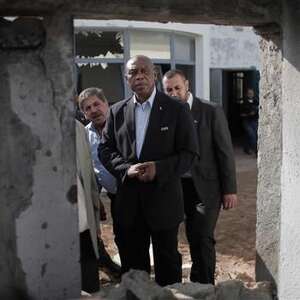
{"points": [[108, 153], [185, 149], [224, 152]]}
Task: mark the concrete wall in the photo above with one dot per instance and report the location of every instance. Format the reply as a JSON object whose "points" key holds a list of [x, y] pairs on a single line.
{"points": [[233, 47], [269, 159], [289, 262], [39, 247], [38, 220], [230, 12]]}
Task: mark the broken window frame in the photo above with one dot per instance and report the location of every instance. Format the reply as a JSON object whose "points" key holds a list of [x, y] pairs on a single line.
{"points": [[173, 62]]}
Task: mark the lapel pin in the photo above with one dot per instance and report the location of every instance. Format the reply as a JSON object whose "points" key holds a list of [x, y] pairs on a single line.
{"points": [[160, 108]]}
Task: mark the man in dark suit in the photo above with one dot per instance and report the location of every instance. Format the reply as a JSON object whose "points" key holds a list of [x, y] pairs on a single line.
{"points": [[145, 147], [210, 183]]}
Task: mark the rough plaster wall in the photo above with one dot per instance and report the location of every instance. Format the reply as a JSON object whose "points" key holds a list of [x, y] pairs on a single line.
{"points": [[234, 47], [269, 159], [39, 231], [290, 210], [246, 12]]}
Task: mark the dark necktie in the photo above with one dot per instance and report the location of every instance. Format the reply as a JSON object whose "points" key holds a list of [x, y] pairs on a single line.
{"points": [[187, 106]]}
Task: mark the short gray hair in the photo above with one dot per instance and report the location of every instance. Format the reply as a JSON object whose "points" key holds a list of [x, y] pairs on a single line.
{"points": [[89, 92]]}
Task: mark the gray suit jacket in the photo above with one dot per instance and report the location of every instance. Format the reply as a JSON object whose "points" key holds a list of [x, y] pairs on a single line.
{"points": [[214, 172]]}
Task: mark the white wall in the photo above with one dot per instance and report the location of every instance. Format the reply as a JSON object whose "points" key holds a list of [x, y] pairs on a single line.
{"points": [[233, 47]]}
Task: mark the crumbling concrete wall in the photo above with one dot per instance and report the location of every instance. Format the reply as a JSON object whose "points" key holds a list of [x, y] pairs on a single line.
{"points": [[230, 12], [270, 156], [38, 213], [38, 218], [289, 258]]}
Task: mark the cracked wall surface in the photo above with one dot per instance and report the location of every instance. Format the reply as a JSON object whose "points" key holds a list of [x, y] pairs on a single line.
{"points": [[39, 239], [237, 12], [269, 158], [39, 232]]}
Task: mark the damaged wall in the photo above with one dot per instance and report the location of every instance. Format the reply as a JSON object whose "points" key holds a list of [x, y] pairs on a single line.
{"points": [[38, 215], [39, 239], [289, 258]]}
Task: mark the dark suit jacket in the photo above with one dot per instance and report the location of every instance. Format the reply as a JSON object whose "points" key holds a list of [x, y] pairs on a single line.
{"points": [[214, 172], [170, 141]]}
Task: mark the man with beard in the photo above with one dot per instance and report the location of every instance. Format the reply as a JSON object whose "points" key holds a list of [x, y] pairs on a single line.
{"points": [[94, 105], [145, 147], [211, 182]]}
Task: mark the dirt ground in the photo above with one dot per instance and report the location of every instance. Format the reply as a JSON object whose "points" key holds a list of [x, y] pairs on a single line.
{"points": [[235, 232]]}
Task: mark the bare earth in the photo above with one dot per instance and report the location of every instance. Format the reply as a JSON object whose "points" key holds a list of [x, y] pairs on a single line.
{"points": [[235, 233]]}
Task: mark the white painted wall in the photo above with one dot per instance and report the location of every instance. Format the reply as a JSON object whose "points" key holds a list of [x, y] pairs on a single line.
{"points": [[233, 47]]}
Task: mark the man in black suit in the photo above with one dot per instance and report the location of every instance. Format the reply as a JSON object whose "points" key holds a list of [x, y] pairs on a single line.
{"points": [[147, 149], [211, 182]]}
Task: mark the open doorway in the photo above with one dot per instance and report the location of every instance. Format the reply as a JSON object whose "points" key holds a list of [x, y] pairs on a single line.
{"points": [[228, 87]]}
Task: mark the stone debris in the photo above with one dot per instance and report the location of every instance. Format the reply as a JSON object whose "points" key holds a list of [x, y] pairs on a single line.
{"points": [[137, 285], [193, 290]]}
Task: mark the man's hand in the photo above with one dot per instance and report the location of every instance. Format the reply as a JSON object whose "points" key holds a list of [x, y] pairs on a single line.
{"points": [[134, 170], [147, 171], [229, 201]]}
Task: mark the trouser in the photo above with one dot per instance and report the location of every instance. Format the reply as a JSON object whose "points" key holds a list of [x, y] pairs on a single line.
{"points": [[89, 265], [200, 225], [250, 127], [112, 198], [134, 242]]}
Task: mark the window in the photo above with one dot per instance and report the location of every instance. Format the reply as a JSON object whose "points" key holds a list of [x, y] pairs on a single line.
{"points": [[101, 56], [155, 45]]}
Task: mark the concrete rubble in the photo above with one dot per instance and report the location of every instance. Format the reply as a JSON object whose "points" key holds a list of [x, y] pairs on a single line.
{"points": [[136, 285]]}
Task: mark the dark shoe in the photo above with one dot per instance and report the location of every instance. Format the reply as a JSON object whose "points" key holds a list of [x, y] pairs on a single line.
{"points": [[111, 269]]}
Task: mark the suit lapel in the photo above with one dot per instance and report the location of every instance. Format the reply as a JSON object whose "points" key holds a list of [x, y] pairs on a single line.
{"points": [[130, 124], [153, 125]]}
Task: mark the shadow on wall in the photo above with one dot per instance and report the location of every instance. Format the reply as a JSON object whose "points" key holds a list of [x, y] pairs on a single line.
{"points": [[262, 272]]}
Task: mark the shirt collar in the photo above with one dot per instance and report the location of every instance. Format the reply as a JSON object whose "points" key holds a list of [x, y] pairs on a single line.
{"points": [[92, 128], [190, 100], [150, 100]]}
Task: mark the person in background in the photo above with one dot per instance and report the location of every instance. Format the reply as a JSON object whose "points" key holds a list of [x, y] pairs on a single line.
{"points": [[211, 181], [94, 106], [248, 108], [88, 211]]}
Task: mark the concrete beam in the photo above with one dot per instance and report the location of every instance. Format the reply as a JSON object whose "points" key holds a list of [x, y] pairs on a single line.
{"points": [[231, 12]]}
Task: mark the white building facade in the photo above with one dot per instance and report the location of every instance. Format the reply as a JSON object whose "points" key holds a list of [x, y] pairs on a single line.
{"points": [[219, 61]]}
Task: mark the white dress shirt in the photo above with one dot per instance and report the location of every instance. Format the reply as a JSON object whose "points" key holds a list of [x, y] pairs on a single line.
{"points": [[142, 113]]}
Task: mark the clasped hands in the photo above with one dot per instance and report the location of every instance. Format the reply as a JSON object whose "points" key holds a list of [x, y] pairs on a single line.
{"points": [[144, 172]]}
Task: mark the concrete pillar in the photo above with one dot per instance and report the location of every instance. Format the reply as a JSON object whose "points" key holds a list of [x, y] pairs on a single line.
{"points": [[270, 155], [39, 245], [289, 263], [278, 207]]}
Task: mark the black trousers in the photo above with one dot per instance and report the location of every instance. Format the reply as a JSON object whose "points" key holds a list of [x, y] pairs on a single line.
{"points": [[134, 243], [89, 264], [200, 225], [112, 198]]}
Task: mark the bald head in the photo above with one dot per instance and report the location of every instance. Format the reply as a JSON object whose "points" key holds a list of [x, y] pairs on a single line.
{"points": [[140, 59], [140, 76], [176, 85]]}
